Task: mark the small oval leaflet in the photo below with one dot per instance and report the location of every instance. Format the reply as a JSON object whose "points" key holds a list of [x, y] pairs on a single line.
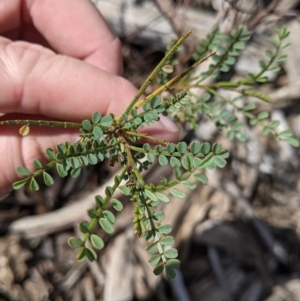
{"points": [[220, 162], [182, 147], [173, 263], [171, 148], [90, 254], [125, 190], [23, 171], [92, 213], [106, 120], [84, 227], [50, 153], [195, 147], [151, 195], [109, 191], [86, 125], [155, 101], [189, 185], [98, 133], [109, 216], [175, 162], [163, 161], [171, 253], [96, 117], [19, 184], [165, 229], [170, 272], [106, 225], [37, 164], [167, 241], [48, 180], [162, 197], [150, 157], [75, 172], [158, 216], [34, 184], [81, 254], [201, 177], [97, 241], [60, 170], [159, 269], [118, 206], [155, 259], [151, 248], [99, 201], [75, 242], [177, 193]]}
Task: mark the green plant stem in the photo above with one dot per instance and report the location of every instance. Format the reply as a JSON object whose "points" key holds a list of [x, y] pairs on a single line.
{"points": [[248, 81], [151, 77], [43, 123], [172, 81], [148, 216], [95, 220], [146, 136], [248, 115]]}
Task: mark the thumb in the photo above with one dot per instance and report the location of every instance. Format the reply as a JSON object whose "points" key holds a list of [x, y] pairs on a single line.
{"points": [[36, 81]]}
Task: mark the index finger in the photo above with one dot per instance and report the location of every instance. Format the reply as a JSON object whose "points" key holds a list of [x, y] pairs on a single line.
{"points": [[73, 28]]}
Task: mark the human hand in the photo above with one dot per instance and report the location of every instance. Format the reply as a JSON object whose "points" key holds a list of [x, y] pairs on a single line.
{"points": [[58, 61]]}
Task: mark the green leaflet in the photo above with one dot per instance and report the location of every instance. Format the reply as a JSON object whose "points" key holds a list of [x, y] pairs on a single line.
{"points": [[97, 242], [177, 193], [106, 225], [118, 206], [19, 184], [23, 171], [48, 180], [75, 242]]}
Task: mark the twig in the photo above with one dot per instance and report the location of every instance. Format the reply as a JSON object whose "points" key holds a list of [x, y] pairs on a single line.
{"points": [[167, 9], [261, 15], [240, 10]]}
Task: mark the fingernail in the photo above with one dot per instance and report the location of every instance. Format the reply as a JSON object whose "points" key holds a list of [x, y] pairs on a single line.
{"points": [[169, 125]]}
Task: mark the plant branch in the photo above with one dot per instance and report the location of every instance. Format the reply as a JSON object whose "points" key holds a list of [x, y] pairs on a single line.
{"points": [[151, 77], [43, 123]]}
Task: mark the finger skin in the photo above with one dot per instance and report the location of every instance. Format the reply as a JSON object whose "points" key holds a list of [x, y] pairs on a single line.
{"points": [[73, 28], [35, 80], [69, 80]]}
